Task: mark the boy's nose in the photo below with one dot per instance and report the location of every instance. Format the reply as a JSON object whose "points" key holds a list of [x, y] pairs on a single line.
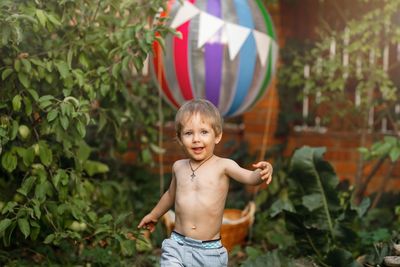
{"points": [[195, 138]]}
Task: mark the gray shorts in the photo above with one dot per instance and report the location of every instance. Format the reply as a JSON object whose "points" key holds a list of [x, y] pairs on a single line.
{"points": [[179, 250]]}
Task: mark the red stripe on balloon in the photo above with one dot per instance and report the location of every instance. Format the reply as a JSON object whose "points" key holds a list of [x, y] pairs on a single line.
{"points": [[157, 59], [181, 60]]}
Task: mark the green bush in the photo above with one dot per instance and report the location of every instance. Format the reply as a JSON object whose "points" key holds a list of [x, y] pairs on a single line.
{"points": [[70, 100]]}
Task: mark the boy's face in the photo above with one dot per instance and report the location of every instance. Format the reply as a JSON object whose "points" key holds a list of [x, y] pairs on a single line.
{"points": [[198, 137]]}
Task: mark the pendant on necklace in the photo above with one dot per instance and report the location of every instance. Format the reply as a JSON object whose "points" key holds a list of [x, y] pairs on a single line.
{"points": [[193, 175]]}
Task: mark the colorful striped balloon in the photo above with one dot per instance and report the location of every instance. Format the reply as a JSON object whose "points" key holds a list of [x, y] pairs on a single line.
{"points": [[234, 85]]}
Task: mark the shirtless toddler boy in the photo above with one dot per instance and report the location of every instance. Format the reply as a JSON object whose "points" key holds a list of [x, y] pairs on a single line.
{"points": [[199, 188]]}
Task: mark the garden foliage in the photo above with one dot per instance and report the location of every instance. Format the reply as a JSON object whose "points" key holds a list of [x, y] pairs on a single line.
{"points": [[313, 219], [70, 99]]}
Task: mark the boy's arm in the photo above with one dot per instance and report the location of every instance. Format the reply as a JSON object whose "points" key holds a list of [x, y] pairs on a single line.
{"points": [[256, 177], [163, 205]]}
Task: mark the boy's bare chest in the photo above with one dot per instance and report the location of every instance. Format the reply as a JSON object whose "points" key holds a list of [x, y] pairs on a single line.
{"points": [[202, 180]]}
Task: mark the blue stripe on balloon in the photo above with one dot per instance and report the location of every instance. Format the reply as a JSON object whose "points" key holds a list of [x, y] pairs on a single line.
{"points": [[247, 57]]}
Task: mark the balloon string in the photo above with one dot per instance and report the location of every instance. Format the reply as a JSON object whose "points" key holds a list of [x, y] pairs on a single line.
{"points": [[263, 148], [265, 133]]}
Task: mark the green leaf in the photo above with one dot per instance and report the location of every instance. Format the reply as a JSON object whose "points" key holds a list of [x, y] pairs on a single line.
{"points": [[312, 201], [391, 140], [127, 247], [17, 65], [146, 155], [36, 208], [42, 189], [53, 19], [16, 103], [106, 218], [340, 257], [46, 98], [23, 79], [61, 176], [40, 14], [62, 68], [14, 129], [34, 94], [38, 62], [102, 229], [83, 151], [382, 149], [64, 122], [28, 156], [28, 106], [45, 154], [94, 167], [102, 121], [81, 128], [9, 207], [35, 230], [363, 207], [281, 205], [125, 63], [83, 60], [9, 161], [6, 73], [23, 225], [20, 151], [79, 75], [121, 218], [316, 176], [45, 104], [52, 115], [157, 149], [8, 233], [394, 153], [4, 224], [27, 65], [27, 185], [49, 239], [138, 63], [115, 70]]}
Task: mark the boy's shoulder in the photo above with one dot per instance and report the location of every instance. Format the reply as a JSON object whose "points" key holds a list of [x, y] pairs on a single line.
{"points": [[221, 159], [179, 162]]}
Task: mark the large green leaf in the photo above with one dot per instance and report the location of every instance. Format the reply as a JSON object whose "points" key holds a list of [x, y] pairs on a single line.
{"points": [[317, 181], [4, 224], [95, 167], [9, 161], [341, 258], [24, 226], [27, 185]]}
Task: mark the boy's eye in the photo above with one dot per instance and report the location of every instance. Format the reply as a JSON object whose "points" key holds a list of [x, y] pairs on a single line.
{"points": [[204, 132], [187, 133]]}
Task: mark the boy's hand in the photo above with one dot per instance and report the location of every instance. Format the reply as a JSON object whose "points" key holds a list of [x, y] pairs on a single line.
{"points": [[148, 222], [266, 170]]}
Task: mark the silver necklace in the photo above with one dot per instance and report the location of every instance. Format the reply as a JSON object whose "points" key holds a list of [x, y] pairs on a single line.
{"points": [[193, 175]]}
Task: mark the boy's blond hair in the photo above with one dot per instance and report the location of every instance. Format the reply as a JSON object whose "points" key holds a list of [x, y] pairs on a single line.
{"points": [[203, 107]]}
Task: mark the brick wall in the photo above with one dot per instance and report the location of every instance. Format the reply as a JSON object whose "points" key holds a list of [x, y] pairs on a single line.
{"points": [[261, 122]]}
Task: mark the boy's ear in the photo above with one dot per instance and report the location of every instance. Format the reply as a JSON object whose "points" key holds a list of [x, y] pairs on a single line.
{"points": [[218, 138]]}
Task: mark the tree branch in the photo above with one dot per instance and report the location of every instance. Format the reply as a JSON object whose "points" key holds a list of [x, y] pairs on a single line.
{"points": [[383, 185]]}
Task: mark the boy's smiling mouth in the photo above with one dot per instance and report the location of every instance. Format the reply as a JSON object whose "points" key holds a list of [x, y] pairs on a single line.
{"points": [[197, 149]]}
